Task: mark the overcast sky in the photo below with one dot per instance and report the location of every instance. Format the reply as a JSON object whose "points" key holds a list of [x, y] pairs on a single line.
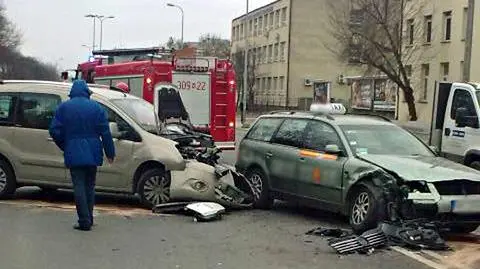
{"points": [[55, 30]]}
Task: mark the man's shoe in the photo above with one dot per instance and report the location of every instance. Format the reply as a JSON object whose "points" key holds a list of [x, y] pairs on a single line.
{"points": [[81, 228]]}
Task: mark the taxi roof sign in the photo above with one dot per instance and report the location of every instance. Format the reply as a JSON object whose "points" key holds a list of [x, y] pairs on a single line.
{"points": [[332, 108]]}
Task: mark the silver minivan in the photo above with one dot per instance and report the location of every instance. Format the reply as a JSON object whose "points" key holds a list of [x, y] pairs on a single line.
{"points": [[29, 157]]}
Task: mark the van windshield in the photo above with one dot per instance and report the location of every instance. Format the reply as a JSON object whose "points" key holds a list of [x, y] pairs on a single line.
{"points": [[141, 111]]}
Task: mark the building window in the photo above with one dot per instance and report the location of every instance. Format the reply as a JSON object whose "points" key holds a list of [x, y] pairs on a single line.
{"points": [[447, 26], [241, 31], [270, 53], [269, 84], [425, 75], [282, 51], [277, 18], [411, 31], [275, 51], [264, 84], [260, 25], [428, 29], [281, 82], [445, 70], [265, 22], [250, 27], [255, 27], [284, 15], [462, 63], [464, 23], [233, 33], [257, 83], [264, 56], [271, 19], [275, 81]]}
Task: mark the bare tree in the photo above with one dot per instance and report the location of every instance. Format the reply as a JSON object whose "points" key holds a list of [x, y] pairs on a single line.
{"points": [[214, 45], [176, 44], [252, 67], [371, 33]]}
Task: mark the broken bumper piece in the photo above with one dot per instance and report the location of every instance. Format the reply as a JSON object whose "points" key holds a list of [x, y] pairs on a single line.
{"points": [[369, 240]]}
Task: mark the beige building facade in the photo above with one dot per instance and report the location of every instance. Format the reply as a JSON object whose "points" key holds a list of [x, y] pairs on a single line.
{"points": [[288, 40], [435, 35]]}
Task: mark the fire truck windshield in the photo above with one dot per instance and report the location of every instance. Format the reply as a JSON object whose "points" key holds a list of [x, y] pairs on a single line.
{"points": [[141, 111]]}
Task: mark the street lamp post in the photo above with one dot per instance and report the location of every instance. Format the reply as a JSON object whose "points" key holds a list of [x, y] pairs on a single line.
{"points": [[102, 18], [93, 16], [181, 10], [245, 73]]}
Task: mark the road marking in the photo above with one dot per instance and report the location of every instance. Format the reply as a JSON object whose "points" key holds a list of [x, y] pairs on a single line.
{"points": [[419, 258]]}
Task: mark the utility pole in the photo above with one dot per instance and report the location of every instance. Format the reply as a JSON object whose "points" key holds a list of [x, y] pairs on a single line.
{"points": [[94, 17], [102, 18], [245, 70], [467, 60]]}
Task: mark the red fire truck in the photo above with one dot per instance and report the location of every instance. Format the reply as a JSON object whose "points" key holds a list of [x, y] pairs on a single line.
{"points": [[206, 85]]}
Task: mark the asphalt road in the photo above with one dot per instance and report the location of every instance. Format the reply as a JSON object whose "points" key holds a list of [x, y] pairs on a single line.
{"points": [[36, 233]]}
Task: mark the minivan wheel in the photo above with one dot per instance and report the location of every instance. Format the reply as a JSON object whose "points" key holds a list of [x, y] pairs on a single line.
{"points": [[261, 187], [154, 187], [7, 180], [366, 208]]}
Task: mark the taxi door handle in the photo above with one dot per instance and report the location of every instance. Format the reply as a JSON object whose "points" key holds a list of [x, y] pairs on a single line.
{"points": [[268, 155]]}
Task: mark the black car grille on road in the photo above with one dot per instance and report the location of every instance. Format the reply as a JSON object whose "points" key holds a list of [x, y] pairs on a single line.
{"points": [[457, 187]]}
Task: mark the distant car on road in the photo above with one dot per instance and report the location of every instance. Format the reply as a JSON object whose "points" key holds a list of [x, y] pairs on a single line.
{"points": [[322, 159]]}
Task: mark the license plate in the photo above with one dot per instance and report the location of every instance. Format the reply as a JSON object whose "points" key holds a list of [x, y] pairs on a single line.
{"points": [[466, 205]]}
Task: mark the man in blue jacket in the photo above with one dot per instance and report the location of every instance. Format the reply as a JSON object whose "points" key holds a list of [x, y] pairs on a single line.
{"points": [[80, 129]]}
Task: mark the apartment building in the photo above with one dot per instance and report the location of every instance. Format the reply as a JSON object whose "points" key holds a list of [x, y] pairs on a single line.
{"points": [[437, 35], [287, 39]]}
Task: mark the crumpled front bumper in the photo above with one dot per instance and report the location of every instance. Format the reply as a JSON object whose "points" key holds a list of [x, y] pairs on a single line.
{"points": [[448, 208]]}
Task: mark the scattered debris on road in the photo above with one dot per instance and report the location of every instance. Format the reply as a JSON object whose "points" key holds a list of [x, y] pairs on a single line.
{"points": [[414, 235], [201, 211]]}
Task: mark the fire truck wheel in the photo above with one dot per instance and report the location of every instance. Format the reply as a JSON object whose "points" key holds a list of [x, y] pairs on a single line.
{"points": [[154, 187], [263, 196], [475, 165]]}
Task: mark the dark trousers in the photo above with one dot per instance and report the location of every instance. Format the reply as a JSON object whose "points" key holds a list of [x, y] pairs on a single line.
{"points": [[83, 179]]}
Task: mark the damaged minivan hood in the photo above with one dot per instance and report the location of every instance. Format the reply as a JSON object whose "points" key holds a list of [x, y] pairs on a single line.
{"points": [[428, 168]]}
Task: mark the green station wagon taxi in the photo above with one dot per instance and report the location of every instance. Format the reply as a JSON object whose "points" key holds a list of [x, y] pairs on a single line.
{"points": [[321, 159]]}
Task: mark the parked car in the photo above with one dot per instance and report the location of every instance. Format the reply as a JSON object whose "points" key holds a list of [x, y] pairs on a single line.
{"points": [[325, 159], [29, 157]]}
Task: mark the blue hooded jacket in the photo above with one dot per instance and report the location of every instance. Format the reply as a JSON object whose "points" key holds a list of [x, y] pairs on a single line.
{"points": [[77, 127]]}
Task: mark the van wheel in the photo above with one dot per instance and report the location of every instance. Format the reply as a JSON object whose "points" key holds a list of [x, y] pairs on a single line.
{"points": [[154, 187], [366, 208], [8, 183], [261, 187]]}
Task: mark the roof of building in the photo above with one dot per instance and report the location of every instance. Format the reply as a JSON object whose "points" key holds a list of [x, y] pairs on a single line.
{"points": [[257, 9]]}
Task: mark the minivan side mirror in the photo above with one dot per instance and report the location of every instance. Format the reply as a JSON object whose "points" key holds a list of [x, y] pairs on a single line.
{"points": [[333, 149], [115, 131]]}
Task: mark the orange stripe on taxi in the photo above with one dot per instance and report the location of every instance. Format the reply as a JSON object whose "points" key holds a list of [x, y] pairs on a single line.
{"points": [[318, 155]]}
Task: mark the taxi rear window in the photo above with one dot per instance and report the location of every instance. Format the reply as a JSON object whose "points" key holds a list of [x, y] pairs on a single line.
{"points": [[264, 129]]}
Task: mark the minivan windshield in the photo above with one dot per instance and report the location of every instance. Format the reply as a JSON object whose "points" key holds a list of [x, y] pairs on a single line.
{"points": [[383, 140], [141, 111]]}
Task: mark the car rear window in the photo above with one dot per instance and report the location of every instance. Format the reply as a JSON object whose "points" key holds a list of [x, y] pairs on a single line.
{"points": [[264, 129]]}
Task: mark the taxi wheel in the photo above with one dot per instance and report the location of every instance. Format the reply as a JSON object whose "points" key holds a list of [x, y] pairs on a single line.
{"points": [[154, 187], [7, 180], [366, 207], [263, 197]]}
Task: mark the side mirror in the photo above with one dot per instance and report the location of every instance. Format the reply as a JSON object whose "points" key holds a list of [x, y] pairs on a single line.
{"points": [[115, 131], [64, 75], [333, 149]]}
